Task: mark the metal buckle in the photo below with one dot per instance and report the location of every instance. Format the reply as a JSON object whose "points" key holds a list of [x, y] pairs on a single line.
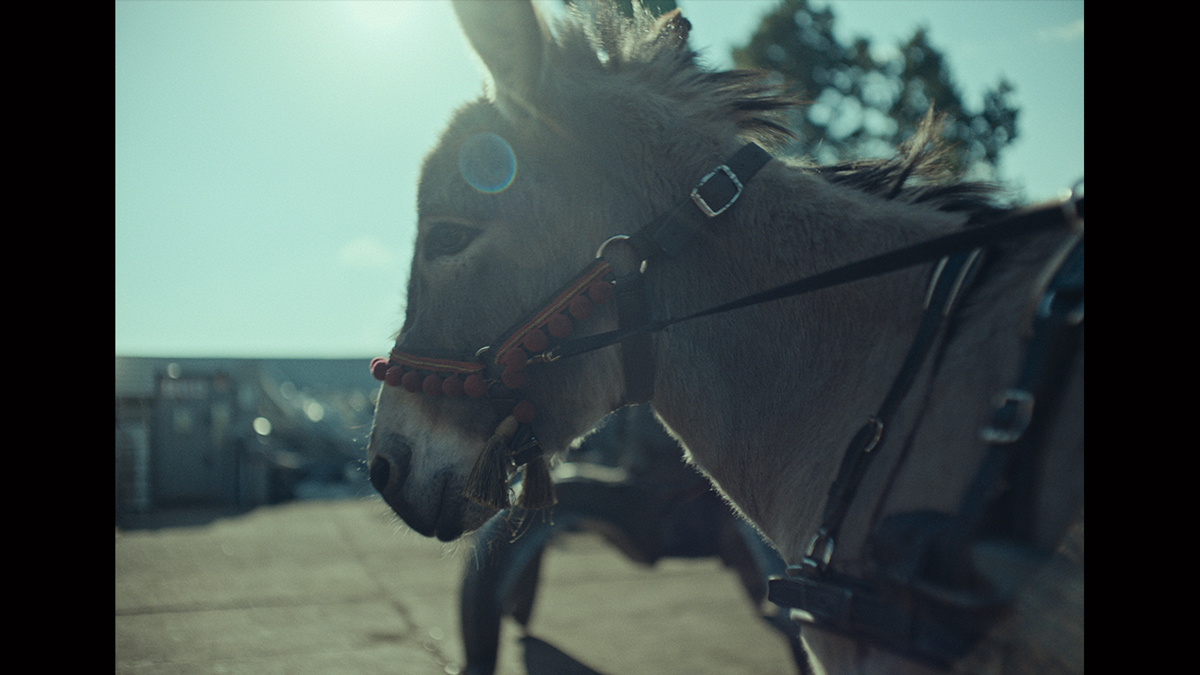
{"points": [[876, 434], [816, 558], [1013, 412], [1070, 206], [1072, 316], [704, 205]]}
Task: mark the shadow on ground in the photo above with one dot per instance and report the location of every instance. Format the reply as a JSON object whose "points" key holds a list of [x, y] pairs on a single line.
{"points": [[543, 658]]}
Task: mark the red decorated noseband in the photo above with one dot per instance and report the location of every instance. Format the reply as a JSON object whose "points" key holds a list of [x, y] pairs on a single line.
{"points": [[530, 341]]}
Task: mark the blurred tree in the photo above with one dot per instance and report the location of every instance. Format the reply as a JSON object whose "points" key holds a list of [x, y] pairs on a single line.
{"points": [[860, 107]]}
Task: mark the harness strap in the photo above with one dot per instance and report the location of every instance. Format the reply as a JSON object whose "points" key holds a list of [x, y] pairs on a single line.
{"points": [[1018, 224], [667, 235], [637, 352], [948, 280], [1000, 501], [711, 197], [929, 601]]}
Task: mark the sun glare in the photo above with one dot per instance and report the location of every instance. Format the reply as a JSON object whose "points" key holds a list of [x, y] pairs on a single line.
{"points": [[379, 16]]}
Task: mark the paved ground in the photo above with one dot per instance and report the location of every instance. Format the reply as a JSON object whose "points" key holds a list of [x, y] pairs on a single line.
{"points": [[343, 587]]}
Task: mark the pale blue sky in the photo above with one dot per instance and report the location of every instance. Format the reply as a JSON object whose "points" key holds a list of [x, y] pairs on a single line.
{"points": [[267, 152]]}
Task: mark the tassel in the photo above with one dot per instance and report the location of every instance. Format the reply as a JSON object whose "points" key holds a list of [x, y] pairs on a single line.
{"points": [[488, 482], [537, 489]]}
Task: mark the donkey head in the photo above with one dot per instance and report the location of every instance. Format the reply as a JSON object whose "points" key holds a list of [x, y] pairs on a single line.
{"points": [[521, 189]]}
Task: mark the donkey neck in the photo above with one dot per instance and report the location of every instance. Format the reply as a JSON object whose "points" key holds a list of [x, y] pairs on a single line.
{"points": [[766, 398]]}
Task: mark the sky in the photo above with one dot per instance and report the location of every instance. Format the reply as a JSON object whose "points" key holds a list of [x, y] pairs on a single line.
{"points": [[267, 153]]}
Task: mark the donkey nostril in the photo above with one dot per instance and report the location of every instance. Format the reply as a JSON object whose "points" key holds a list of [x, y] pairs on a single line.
{"points": [[390, 465], [380, 471], [389, 468]]}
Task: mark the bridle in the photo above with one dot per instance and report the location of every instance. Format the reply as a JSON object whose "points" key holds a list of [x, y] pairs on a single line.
{"points": [[497, 373], [928, 601]]}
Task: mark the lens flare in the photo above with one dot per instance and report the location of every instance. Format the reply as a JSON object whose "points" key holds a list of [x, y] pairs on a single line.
{"points": [[486, 161]]}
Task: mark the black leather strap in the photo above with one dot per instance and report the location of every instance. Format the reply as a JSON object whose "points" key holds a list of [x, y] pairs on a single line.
{"points": [[637, 352], [1001, 501], [716, 192], [1019, 224], [950, 276], [889, 617], [929, 604]]}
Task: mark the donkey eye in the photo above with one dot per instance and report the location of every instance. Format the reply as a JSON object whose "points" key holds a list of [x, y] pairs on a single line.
{"points": [[447, 239]]}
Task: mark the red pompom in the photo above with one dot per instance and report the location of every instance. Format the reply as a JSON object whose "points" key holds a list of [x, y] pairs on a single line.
{"points": [[392, 375], [432, 385], [581, 307], [474, 386], [559, 326], [512, 378], [515, 359], [453, 386], [379, 368], [411, 381], [535, 341], [524, 412], [600, 292]]}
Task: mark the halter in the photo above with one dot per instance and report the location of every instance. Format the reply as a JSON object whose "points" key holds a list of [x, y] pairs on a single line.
{"points": [[498, 373]]}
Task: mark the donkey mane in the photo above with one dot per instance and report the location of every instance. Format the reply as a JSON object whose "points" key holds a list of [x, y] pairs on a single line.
{"points": [[917, 174], [655, 48]]}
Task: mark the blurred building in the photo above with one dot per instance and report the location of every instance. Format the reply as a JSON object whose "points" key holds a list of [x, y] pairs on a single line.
{"points": [[238, 432]]}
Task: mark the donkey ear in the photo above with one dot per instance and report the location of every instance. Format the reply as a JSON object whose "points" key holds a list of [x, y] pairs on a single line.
{"points": [[510, 38]]}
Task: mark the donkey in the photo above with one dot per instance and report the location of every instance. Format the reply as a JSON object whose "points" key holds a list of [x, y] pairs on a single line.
{"points": [[596, 125]]}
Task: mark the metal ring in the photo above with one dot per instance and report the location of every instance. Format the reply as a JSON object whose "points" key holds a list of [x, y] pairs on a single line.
{"points": [[481, 356], [876, 434], [619, 237], [600, 251]]}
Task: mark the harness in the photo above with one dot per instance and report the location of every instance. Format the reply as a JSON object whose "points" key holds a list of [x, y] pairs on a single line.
{"points": [[930, 597], [929, 600]]}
